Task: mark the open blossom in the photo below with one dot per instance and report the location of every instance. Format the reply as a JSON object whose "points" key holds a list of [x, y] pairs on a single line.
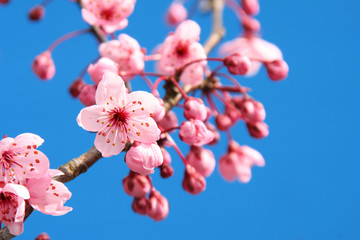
{"points": [[181, 48], [47, 195], [111, 15], [119, 117], [144, 157], [20, 159], [126, 52], [255, 48], [12, 205]]}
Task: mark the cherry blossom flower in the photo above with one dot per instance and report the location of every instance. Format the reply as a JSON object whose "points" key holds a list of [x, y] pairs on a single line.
{"points": [[47, 195], [43, 66], [255, 48], [119, 117], [194, 108], [126, 52], [110, 15], [181, 48], [144, 157], [202, 160], [12, 205], [20, 159]]}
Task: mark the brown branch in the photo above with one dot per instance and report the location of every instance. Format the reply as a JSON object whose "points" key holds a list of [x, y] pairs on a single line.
{"points": [[81, 164]]}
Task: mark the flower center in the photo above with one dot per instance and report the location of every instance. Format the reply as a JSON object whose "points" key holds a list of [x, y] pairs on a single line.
{"points": [[107, 14], [7, 160], [118, 117], [182, 50]]}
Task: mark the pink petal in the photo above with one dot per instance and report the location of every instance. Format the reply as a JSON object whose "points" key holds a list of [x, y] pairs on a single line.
{"points": [[188, 30], [111, 90], [17, 189], [6, 144], [254, 155], [27, 139], [141, 104], [110, 143], [112, 28], [143, 130], [33, 163], [15, 228], [92, 118], [89, 17]]}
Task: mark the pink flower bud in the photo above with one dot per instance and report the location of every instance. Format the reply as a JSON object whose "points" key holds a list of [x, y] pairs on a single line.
{"points": [[43, 236], [195, 133], [250, 7], [43, 66], [194, 108], [76, 87], [193, 182], [166, 156], [158, 206], [176, 13], [143, 157], [169, 121], [87, 94], [216, 133], [97, 70], [37, 13], [258, 129], [166, 171], [232, 113], [223, 122], [202, 160], [252, 111], [277, 70], [227, 166], [139, 205], [159, 113], [254, 156], [237, 64], [136, 185], [251, 24]]}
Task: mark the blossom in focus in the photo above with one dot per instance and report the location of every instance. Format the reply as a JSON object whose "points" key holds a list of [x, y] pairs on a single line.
{"points": [[20, 159], [110, 15], [43, 66], [126, 52], [144, 157], [255, 48], [12, 205], [181, 48], [119, 117]]}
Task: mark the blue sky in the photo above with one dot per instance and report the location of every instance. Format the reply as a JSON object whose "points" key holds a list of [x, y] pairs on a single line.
{"points": [[309, 186]]}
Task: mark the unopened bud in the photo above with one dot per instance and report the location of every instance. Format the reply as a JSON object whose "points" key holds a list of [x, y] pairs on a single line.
{"points": [[176, 13], [194, 108], [87, 95], [139, 205], [166, 171], [258, 129], [193, 182], [37, 13], [157, 206], [216, 133], [277, 70], [43, 236], [223, 122], [136, 185], [237, 64], [76, 87], [250, 7]]}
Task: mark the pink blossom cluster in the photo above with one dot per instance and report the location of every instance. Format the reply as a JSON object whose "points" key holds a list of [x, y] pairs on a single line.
{"points": [[27, 178]]}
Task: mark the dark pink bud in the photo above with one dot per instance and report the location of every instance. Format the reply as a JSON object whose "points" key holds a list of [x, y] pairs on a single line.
{"points": [[216, 133], [194, 108], [223, 122], [237, 64], [166, 171], [76, 87], [87, 95], [277, 70], [176, 13], [139, 205], [44, 66], [252, 111], [37, 13], [232, 112], [136, 185], [43, 236], [258, 129], [250, 7], [193, 182], [202, 160], [4, 1], [158, 206]]}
